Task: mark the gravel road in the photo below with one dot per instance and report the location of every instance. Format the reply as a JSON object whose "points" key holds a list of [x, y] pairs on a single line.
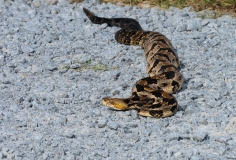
{"points": [[55, 66]]}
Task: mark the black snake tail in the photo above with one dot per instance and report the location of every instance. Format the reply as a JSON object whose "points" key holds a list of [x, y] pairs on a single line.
{"points": [[124, 23]]}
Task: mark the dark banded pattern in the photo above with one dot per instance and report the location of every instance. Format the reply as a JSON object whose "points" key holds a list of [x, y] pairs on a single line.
{"points": [[151, 96]]}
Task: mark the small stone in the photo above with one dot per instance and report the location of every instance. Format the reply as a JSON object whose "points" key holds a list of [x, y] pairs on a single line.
{"points": [[51, 66], [54, 12], [103, 153], [69, 134], [205, 22], [179, 114], [26, 49], [127, 130], [112, 125], [75, 66], [36, 68], [231, 126], [191, 108], [200, 136], [178, 154], [193, 25], [181, 27], [102, 123], [14, 107]]}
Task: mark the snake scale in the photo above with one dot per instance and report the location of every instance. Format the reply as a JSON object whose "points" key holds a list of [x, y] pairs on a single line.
{"points": [[151, 96]]}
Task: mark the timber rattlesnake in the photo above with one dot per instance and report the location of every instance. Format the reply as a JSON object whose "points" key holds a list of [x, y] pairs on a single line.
{"points": [[151, 96]]}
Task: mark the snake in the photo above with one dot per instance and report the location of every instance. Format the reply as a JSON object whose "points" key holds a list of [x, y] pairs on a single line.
{"points": [[151, 96]]}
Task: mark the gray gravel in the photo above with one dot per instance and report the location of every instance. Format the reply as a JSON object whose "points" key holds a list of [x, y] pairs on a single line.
{"points": [[55, 66]]}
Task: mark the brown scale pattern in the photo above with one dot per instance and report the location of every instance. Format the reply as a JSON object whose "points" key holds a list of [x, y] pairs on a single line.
{"points": [[151, 96]]}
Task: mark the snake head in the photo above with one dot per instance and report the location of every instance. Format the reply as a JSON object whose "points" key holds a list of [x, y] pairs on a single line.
{"points": [[115, 103]]}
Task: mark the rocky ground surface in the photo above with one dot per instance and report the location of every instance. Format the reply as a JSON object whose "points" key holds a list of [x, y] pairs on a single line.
{"points": [[55, 66]]}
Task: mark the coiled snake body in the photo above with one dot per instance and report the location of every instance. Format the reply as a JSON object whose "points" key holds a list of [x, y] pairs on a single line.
{"points": [[151, 96]]}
